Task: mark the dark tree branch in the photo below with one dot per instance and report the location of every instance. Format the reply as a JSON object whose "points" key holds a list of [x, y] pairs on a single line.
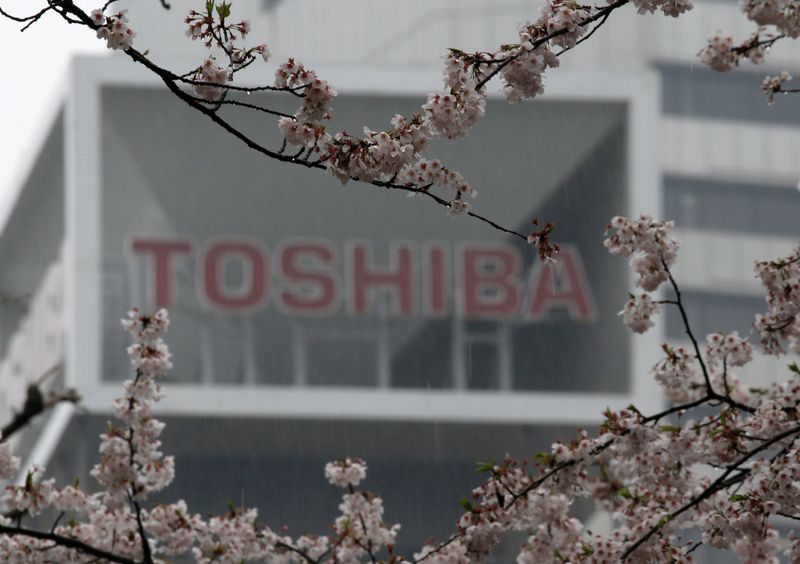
{"points": [[36, 403], [500, 64], [66, 542], [173, 82]]}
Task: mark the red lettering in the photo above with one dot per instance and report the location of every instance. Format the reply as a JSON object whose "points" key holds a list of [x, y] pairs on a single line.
{"points": [[398, 278], [490, 287], [561, 285], [435, 275], [254, 288], [162, 253], [307, 265]]}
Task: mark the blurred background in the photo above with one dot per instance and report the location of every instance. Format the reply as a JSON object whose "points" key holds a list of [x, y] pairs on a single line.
{"points": [[263, 393]]}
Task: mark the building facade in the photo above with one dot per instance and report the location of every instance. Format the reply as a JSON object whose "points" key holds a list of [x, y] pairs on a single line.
{"points": [[313, 321]]}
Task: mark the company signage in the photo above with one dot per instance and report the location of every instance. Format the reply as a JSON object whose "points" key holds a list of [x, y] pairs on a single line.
{"points": [[314, 277], [277, 276]]}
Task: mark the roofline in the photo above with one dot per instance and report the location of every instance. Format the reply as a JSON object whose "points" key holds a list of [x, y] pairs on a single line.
{"points": [[43, 125]]}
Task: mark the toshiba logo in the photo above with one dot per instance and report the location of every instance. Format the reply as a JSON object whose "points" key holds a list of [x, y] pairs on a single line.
{"points": [[318, 277]]}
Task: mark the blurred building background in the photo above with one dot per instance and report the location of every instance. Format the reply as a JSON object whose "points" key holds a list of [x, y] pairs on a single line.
{"points": [[391, 363]]}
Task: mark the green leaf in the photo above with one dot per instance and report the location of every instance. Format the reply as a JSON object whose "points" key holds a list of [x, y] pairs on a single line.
{"points": [[669, 429], [625, 492], [738, 497], [224, 10], [465, 503], [209, 6], [487, 466], [794, 368], [586, 550]]}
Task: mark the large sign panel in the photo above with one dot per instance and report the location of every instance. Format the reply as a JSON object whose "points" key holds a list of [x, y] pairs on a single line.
{"points": [[277, 276]]}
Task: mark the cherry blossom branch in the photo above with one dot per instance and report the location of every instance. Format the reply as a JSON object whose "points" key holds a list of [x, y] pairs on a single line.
{"points": [[171, 81], [214, 97], [500, 64], [297, 551], [32, 19], [66, 542], [687, 327], [148, 555], [441, 546], [676, 409], [587, 36], [721, 483], [756, 42]]}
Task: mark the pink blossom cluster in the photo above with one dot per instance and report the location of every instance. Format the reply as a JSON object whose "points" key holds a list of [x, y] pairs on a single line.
{"points": [[310, 136], [730, 349], [780, 326], [652, 251], [131, 467], [424, 172], [776, 19], [719, 54], [382, 157], [649, 245], [317, 94], [209, 76], [638, 312], [211, 27], [523, 76], [452, 114], [722, 55], [360, 529], [214, 28], [454, 552], [114, 29], [774, 84], [131, 464], [783, 14], [677, 375], [9, 464], [540, 238], [723, 472], [672, 8], [379, 155], [565, 17], [33, 497], [346, 472], [385, 156]]}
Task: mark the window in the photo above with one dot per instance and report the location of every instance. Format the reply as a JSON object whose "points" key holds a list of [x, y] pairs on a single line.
{"points": [[701, 203]]}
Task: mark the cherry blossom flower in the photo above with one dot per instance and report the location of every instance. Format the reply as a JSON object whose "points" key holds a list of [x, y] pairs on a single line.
{"points": [[773, 85], [212, 75], [638, 311], [114, 29], [346, 472]]}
